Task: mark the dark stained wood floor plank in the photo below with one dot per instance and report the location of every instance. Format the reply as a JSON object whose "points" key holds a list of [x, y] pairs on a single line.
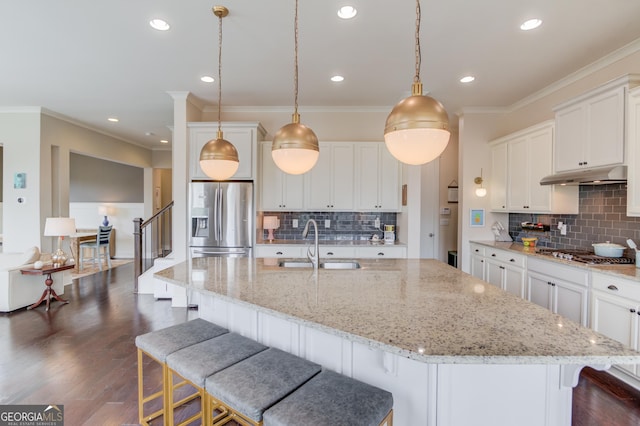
{"points": [[83, 355]]}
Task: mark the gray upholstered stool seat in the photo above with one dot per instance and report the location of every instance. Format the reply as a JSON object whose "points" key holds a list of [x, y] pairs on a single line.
{"points": [[158, 345], [331, 399], [197, 362], [251, 386]]}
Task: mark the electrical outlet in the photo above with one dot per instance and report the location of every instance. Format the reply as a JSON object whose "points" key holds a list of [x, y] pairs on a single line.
{"points": [[563, 229], [327, 223], [294, 223], [376, 223]]}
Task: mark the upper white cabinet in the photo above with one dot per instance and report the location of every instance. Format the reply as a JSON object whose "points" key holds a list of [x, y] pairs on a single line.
{"points": [[279, 191], [377, 178], [633, 153], [244, 136], [590, 129], [330, 184], [527, 156]]}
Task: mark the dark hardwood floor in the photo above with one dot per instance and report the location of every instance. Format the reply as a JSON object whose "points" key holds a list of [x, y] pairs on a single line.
{"points": [[82, 355]]}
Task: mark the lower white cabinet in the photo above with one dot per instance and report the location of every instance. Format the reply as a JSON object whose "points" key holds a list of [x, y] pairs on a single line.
{"points": [[477, 261], [505, 270], [381, 252], [561, 289], [282, 250], [331, 251], [616, 312]]}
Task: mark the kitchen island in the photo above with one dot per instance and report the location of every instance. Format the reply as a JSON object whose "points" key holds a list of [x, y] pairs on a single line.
{"points": [[452, 349]]}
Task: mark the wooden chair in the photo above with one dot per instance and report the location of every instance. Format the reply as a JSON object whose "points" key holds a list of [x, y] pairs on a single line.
{"points": [[103, 238]]}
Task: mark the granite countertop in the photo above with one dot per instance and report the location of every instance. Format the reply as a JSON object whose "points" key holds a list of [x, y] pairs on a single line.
{"points": [[332, 243], [623, 271], [420, 309]]}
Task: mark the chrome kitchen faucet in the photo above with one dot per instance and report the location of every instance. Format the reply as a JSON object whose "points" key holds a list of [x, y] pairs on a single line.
{"points": [[315, 256]]}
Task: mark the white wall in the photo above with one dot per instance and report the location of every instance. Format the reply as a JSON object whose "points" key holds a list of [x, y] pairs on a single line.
{"points": [[121, 218]]}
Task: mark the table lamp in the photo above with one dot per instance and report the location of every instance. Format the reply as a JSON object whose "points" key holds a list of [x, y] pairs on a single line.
{"points": [[270, 223], [59, 227], [104, 211]]}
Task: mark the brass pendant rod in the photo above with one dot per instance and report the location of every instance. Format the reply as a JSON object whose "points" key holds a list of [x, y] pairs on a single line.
{"points": [[219, 75], [295, 67], [416, 78]]}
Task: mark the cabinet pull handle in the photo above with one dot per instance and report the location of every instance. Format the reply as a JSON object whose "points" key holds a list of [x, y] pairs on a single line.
{"points": [[381, 254], [613, 287], [501, 267], [512, 260], [548, 282], [633, 311], [278, 252], [477, 250], [553, 284], [493, 255], [329, 253]]}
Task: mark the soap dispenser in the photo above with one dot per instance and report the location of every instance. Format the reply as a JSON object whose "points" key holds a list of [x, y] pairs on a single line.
{"points": [[633, 245]]}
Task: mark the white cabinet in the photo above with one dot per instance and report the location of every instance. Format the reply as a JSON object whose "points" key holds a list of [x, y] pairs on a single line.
{"points": [[633, 153], [498, 186], [590, 129], [615, 312], [244, 136], [477, 260], [528, 158], [279, 250], [279, 191], [377, 178], [330, 184], [505, 270], [381, 252], [561, 289]]}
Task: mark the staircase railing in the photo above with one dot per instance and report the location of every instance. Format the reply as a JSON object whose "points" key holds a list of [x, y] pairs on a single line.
{"points": [[152, 239]]}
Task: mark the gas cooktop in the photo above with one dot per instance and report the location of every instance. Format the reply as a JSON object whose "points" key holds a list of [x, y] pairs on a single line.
{"points": [[585, 256]]}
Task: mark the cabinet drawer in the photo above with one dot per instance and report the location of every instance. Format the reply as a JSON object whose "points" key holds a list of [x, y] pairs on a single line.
{"points": [[616, 286], [559, 271], [279, 251], [477, 249], [393, 252], [506, 257], [337, 251]]}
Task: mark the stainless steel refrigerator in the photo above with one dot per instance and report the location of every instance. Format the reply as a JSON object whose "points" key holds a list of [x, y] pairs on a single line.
{"points": [[221, 216]]}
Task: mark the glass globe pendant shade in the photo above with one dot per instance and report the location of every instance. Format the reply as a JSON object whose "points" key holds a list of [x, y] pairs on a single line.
{"points": [[417, 129], [295, 148], [219, 158], [481, 192]]}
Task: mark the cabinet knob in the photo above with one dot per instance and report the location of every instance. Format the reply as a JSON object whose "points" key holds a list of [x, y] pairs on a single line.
{"points": [[553, 284], [501, 267], [278, 252], [548, 282], [493, 255], [477, 250], [613, 287], [633, 311], [512, 260]]}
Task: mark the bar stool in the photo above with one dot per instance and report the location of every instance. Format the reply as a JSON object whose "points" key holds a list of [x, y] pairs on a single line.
{"points": [[197, 362], [248, 388], [157, 345], [330, 399]]}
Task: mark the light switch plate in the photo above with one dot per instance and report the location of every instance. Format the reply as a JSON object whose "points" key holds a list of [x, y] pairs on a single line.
{"points": [[327, 223], [294, 223]]}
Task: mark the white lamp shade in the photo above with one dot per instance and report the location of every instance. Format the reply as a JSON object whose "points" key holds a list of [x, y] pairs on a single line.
{"points": [[219, 169], [271, 222], [481, 192], [417, 146], [59, 226], [103, 210], [295, 161]]}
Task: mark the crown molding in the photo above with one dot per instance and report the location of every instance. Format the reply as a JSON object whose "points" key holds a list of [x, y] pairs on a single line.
{"points": [[301, 109]]}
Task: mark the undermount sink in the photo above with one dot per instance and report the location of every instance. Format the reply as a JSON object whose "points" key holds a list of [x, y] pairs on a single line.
{"points": [[334, 264]]}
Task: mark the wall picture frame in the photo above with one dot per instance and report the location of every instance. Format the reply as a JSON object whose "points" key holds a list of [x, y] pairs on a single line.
{"points": [[476, 217], [19, 180]]}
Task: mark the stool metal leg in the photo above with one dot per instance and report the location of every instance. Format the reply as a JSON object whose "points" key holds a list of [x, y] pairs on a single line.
{"points": [[388, 421], [172, 404], [142, 400]]}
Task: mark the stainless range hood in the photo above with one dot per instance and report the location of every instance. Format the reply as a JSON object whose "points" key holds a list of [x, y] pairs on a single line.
{"points": [[597, 176]]}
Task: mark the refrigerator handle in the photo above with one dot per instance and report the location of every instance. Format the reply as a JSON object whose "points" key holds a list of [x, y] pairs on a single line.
{"points": [[214, 226], [220, 210]]}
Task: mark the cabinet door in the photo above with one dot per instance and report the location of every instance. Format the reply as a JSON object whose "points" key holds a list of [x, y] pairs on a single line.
{"points": [[499, 177], [342, 176], [570, 136], [633, 153], [605, 122], [318, 182], [518, 191], [494, 272], [514, 281], [615, 317], [477, 266], [293, 192], [272, 180], [540, 162], [570, 301], [539, 289], [367, 178], [389, 183]]}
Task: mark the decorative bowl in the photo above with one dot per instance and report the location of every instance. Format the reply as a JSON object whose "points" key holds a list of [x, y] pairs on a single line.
{"points": [[608, 249]]}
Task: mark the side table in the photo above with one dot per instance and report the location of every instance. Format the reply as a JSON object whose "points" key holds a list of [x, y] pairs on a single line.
{"points": [[48, 292]]}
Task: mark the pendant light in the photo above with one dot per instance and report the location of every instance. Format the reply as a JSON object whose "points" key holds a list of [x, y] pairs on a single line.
{"points": [[295, 147], [417, 129], [218, 157]]}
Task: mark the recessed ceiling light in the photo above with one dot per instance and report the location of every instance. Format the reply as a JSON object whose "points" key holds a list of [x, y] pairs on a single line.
{"points": [[467, 79], [164, 141], [531, 24], [113, 119], [347, 12], [159, 24], [337, 78], [207, 79]]}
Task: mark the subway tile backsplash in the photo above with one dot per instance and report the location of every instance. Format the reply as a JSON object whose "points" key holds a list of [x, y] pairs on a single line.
{"points": [[602, 217], [343, 225]]}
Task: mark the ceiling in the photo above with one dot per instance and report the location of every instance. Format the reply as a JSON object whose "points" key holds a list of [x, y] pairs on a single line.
{"points": [[89, 60]]}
